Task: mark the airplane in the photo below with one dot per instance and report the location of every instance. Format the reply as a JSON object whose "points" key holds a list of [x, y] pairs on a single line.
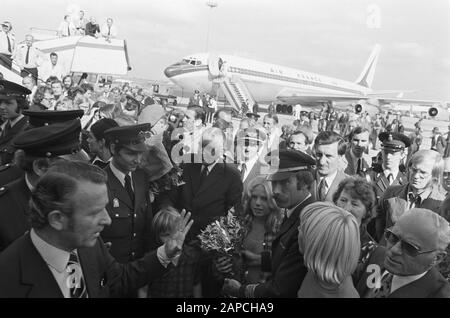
{"points": [[241, 79]]}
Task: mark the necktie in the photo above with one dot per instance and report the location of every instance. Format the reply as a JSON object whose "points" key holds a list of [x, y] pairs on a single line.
{"points": [[109, 30], [75, 279], [243, 170], [359, 167], [322, 189], [68, 30], [203, 174], [385, 288], [129, 188], [27, 56], [390, 178], [414, 201], [9, 44]]}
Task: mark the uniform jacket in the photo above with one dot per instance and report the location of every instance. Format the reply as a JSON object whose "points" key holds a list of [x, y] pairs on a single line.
{"points": [[221, 190], [393, 204], [14, 199], [129, 231], [431, 285], [288, 270], [24, 273], [352, 166], [9, 173], [6, 151], [331, 189], [382, 183]]}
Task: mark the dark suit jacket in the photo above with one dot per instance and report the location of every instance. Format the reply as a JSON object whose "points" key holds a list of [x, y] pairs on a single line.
{"points": [[256, 170], [350, 169], [14, 209], [9, 173], [24, 273], [6, 151], [129, 231], [221, 190], [288, 269], [439, 144], [394, 203], [431, 285], [331, 189]]}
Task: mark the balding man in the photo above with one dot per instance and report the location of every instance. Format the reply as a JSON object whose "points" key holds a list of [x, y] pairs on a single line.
{"points": [[406, 267]]}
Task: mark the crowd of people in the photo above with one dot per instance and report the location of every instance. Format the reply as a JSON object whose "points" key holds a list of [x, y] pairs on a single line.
{"points": [[104, 192]]}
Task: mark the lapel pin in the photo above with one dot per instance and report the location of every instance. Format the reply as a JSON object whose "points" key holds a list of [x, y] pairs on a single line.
{"points": [[115, 203]]}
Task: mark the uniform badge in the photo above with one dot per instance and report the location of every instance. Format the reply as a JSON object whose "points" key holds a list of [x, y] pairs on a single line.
{"points": [[115, 203], [152, 197]]}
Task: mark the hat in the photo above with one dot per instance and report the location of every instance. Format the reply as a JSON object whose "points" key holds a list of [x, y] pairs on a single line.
{"points": [[151, 114], [253, 115], [252, 134], [40, 118], [99, 127], [50, 141], [289, 161], [131, 137], [11, 90], [394, 141]]}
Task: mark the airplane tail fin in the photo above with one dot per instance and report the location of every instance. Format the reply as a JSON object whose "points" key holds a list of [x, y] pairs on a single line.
{"points": [[366, 76]]}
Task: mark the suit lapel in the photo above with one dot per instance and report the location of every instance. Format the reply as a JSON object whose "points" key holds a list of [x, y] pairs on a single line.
{"points": [[117, 191], [35, 272], [90, 271], [139, 194], [334, 185]]}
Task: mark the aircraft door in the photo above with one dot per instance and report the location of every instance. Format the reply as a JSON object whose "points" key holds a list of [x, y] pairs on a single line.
{"points": [[215, 65]]}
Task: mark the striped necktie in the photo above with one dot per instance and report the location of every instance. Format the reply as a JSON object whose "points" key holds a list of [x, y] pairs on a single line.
{"points": [[75, 281]]}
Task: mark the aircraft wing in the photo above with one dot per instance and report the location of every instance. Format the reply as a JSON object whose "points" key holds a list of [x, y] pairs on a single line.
{"points": [[311, 98], [408, 101]]}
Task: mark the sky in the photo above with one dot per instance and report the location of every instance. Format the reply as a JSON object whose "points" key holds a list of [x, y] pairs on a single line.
{"points": [[329, 37]]}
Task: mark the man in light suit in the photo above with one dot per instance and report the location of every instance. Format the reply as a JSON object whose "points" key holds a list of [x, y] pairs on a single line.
{"points": [[406, 268], [329, 147], [63, 254], [291, 183]]}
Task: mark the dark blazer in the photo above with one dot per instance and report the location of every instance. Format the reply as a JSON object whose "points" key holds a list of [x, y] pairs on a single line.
{"points": [[6, 151], [9, 173], [256, 170], [331, 189], [350, 169], [438, 144], [24, 273], [14, 199], [221, 190], [288, 269], [130, 230], [394, 203], [431, 285]]}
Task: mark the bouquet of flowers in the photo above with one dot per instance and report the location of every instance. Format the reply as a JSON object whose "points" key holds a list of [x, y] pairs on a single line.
{"points": [[224, 236]]}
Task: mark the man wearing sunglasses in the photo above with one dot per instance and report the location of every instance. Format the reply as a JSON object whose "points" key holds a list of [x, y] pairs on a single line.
{"points": [[407, 266], [421, 191]]}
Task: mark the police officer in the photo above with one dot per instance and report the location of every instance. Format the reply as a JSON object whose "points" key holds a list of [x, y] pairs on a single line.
{"points": [[12, 102], [128, 189], [40, 146], [391, 170], [10, 171]]}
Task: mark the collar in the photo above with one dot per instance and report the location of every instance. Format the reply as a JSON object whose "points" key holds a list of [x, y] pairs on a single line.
{"points": [[97, 158], [387, 172], [329, 179], [400, 281], [29, 185], [211, 166], [424, 195], [291, 210], [53, 256], [16, 120], [119, 174]]}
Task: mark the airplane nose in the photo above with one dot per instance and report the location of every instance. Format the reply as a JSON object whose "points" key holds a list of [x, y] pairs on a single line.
{"points": [[171, 71]]}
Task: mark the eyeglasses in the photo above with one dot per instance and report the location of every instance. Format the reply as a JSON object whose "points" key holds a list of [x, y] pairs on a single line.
{"points": [[409, 248]]}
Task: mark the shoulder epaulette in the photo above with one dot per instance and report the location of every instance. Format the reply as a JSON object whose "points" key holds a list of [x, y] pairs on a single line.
{"points": [[5, 167]]}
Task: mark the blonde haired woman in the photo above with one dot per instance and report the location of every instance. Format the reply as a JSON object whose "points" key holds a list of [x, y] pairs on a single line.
{"points": [[330, 243]]}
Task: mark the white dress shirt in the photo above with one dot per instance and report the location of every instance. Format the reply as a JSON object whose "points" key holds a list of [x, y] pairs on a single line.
{"points": [[4, 42], [35, 58], [112, 31], [48, 69], [120, 175], [329, 180]]}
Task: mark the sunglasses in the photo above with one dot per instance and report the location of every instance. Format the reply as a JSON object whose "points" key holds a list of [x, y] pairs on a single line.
{"points": [[409, 248]]}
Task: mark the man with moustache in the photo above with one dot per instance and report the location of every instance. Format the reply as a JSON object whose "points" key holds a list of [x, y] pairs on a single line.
{"points": [[291, 183], [406, 267], [356, 157], [421, 191]]}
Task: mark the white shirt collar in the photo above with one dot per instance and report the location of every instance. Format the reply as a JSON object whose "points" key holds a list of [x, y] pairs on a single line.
{"points": [[289, 212], [400, 281], [119, 174], [28, 183], [387, 172], [15, 120], [53, 256]]}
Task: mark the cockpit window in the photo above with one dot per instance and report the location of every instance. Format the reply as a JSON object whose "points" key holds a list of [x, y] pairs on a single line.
{"points": [[192, 61], [198, 63]]}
